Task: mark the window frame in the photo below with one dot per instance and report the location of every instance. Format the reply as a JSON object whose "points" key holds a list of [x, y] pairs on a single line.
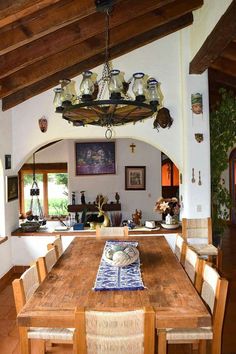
{"points": [[44, 169]]}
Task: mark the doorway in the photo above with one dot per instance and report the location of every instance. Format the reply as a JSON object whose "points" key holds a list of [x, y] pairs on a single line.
{"points": [[232, 181]]}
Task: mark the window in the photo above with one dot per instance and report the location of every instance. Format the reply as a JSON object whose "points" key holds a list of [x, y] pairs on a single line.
{"points": [[52, 180]]}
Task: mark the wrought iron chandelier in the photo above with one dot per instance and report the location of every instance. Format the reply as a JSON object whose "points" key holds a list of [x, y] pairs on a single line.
{"points": [[121, 107]]}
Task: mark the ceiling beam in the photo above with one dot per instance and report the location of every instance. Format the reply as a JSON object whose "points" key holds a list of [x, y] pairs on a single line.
{"points": [[230, 51], [43, 22], [226, 66], [78, 52], [86, 28], [221, 78], [223, 33], [116, 51], [11, 10]]}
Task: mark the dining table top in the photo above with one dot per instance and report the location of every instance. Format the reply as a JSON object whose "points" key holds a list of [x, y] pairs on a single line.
{"points": [[70, 283]]}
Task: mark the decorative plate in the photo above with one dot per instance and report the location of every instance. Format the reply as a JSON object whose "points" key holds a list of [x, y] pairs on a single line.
{"points": [[170, 226], [122, 261]]}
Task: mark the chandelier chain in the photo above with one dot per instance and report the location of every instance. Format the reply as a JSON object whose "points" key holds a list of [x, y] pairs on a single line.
{"points": [[106, 68]]}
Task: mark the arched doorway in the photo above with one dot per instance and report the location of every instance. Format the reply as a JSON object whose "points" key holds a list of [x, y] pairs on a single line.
{"points": [[232, 183]]}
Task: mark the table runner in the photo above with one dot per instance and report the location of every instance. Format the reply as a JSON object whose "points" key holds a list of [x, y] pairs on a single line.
{"points": [[118, 278]]}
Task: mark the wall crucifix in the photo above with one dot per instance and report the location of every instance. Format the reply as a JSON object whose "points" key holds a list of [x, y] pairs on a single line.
{"points": [[132, 146]]}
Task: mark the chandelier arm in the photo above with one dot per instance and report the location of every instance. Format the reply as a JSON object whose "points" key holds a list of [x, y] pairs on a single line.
{"points": [[129, 113], [111, 109]]}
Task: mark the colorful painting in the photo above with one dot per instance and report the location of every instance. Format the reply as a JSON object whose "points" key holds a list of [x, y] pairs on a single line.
{"points": [[95, 158]]}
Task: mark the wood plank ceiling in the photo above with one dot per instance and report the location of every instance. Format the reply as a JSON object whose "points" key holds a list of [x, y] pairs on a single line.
{"points": [[43, 41]]}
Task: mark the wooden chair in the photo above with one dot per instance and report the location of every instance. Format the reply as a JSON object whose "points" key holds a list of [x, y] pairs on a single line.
{"points": [[193, 267], [46, 263], [180, 248], [112, 231], [123, 332], [57, 243], [214, 293], [23, 289], [198, 233]]}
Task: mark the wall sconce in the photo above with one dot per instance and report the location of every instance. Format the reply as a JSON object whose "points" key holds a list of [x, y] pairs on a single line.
{"points": [[43, 124], [199, 137]]}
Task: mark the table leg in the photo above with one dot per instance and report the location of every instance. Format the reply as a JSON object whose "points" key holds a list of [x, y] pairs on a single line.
{"points": [[161, 338], [24, 341], [202, 346]]}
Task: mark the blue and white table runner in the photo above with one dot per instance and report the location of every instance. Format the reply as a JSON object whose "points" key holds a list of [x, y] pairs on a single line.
{"points": [[119, 278]]}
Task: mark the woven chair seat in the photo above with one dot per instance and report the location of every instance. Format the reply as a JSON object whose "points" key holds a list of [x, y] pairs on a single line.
{"points": [[204, 249], [189, 334], [51, 333]]}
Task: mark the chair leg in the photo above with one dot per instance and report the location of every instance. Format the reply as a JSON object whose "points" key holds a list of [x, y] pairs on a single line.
{"points": [[162, 342], [202, 346], [24, 341]]}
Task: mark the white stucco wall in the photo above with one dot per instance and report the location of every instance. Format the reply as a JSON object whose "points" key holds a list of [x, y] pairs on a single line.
{"points": [[167, 60], [153, 59], [8, 210], [205, 20], [144, 155]]}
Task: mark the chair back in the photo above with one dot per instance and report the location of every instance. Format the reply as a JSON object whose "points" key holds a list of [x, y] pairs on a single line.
{"points": [[197, 229], [57, 243], [191, 263], [25, 286], [193, 266], [214, 293], [115, 332], [112, 231], [180, 248], [47, 262]]}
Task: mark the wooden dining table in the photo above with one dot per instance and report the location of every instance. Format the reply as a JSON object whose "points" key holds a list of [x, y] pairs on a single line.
{"points": [[70, 283]]}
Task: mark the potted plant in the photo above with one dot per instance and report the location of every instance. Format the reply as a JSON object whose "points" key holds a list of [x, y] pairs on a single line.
{"points": [[223, 138]]}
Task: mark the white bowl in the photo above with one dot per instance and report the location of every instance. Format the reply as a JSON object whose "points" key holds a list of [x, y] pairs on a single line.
{"points": [[123, 262], [170, 226]]}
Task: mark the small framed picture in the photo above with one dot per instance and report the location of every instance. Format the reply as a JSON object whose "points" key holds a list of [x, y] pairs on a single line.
{"points": [[135, 178], [7, 162], [12, 188]]}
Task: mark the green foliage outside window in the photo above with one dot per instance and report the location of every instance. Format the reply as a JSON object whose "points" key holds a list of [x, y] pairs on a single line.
{"points": [[223, 138]]}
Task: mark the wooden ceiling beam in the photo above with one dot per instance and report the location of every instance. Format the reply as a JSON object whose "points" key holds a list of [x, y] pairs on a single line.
{"points": [[11, 10], [86, 28], [79, 52], [230, 51], [43, 22], [216, 76], [223, 33], [116, 51], [226, 66]]}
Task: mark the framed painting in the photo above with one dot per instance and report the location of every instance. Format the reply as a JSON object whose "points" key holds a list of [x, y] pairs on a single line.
{"points": [[12, 188], [7, 162], [97, 158], [135, 177]]}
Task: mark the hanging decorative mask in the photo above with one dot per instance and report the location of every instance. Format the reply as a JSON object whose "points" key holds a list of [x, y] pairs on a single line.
{"points": [[163, 119], [43, 124], [196, 102]]}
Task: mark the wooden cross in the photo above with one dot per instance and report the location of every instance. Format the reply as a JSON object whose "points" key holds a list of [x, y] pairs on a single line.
{"points": [[132, 146]]}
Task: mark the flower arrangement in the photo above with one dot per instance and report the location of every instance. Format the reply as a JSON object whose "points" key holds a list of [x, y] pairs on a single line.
{"points": [[167, 206]]}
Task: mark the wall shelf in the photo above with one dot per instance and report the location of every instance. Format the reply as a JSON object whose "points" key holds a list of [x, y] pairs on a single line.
{"points": [[93, 208]]}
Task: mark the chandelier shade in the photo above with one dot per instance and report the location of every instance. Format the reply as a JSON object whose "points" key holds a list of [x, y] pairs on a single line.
{"points": [[108, 101]]}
